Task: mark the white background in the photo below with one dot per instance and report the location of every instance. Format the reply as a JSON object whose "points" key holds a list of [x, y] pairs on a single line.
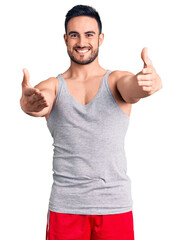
{"points": [[32, 38]]}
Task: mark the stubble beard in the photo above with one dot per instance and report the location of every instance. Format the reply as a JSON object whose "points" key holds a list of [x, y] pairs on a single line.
{"points": [[84, 62]]}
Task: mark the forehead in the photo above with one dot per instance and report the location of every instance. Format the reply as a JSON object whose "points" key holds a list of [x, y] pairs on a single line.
{"points": [[82, 24]]}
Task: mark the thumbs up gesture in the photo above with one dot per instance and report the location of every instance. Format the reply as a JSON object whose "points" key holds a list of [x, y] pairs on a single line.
{"points": [[148, 78], [32, 99]]}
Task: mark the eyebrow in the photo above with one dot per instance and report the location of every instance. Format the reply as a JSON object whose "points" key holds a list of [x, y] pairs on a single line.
{"points": [[78, 33]]}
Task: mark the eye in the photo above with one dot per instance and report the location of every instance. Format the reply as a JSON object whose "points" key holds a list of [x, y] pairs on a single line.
{"points": [[90, 35], [74, 35]]}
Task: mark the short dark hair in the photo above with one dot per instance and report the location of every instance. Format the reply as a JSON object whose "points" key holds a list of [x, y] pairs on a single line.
{"points": [[83, 10]]}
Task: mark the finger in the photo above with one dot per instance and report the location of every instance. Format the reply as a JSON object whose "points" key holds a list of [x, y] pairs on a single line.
{"points": [[145, 58], [37, 97], [31, 91], [26, 78], [144, 77], [147, 89], [147, 70], [43, 103], [39, 108], [145, 83], [42, 106]]}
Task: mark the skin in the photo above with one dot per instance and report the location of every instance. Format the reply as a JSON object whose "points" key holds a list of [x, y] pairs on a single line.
{"points": [[84, 75]]}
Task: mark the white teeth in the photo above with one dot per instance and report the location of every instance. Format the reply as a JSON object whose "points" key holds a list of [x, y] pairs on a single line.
{"points": [[82, 51]]}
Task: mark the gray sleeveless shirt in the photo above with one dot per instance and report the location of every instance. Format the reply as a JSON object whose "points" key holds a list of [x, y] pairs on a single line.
{"points": [[89, 162]]}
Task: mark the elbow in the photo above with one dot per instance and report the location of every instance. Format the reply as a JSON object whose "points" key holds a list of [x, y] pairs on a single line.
{"points": [[131, 100], [135, 100]]}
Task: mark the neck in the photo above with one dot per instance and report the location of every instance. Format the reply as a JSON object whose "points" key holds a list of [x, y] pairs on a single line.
{"points": [[84, 71]]}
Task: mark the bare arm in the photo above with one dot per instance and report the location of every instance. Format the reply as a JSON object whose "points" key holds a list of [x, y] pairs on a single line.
{"points": [[143, 84], [37, 101]]}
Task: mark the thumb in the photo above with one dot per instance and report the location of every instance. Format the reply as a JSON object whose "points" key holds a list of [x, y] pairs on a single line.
{"points": [[145, 58], [26, 78]]}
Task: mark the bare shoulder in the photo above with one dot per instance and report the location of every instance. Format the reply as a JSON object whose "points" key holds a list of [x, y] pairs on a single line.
{"points": [[50, 84], [117, 74]]}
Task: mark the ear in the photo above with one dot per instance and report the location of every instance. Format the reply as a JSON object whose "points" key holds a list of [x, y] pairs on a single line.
{"points": [[101, 39], [65, 39]]}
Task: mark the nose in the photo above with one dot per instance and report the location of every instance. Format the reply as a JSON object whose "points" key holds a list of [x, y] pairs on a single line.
{"points": [[82, 41]]}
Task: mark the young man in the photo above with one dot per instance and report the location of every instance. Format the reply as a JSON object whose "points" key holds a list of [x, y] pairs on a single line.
{"points": [[87, 109]]}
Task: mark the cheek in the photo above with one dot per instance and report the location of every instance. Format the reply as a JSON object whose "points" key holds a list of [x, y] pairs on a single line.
{"points": [[70, 47], [70, 44], [94, 43]]}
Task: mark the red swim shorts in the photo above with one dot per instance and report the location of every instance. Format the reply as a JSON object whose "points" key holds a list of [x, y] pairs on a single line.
{"points": [[64, 226]]}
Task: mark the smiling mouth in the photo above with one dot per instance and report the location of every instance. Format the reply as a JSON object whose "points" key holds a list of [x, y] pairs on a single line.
{"points": [[82, 51]]}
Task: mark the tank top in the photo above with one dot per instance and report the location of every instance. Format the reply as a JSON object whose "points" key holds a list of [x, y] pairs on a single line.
{"points": [[89, 161]]}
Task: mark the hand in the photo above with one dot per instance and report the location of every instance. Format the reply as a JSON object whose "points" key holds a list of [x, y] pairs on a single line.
{"points": [[32, 100], [148, 78]]}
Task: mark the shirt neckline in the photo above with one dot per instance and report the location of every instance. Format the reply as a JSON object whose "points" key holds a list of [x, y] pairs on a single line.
{"points": [[93, 99]]}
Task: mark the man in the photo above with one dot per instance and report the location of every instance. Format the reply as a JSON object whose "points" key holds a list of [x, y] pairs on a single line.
{"points": [[87, 109]]}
